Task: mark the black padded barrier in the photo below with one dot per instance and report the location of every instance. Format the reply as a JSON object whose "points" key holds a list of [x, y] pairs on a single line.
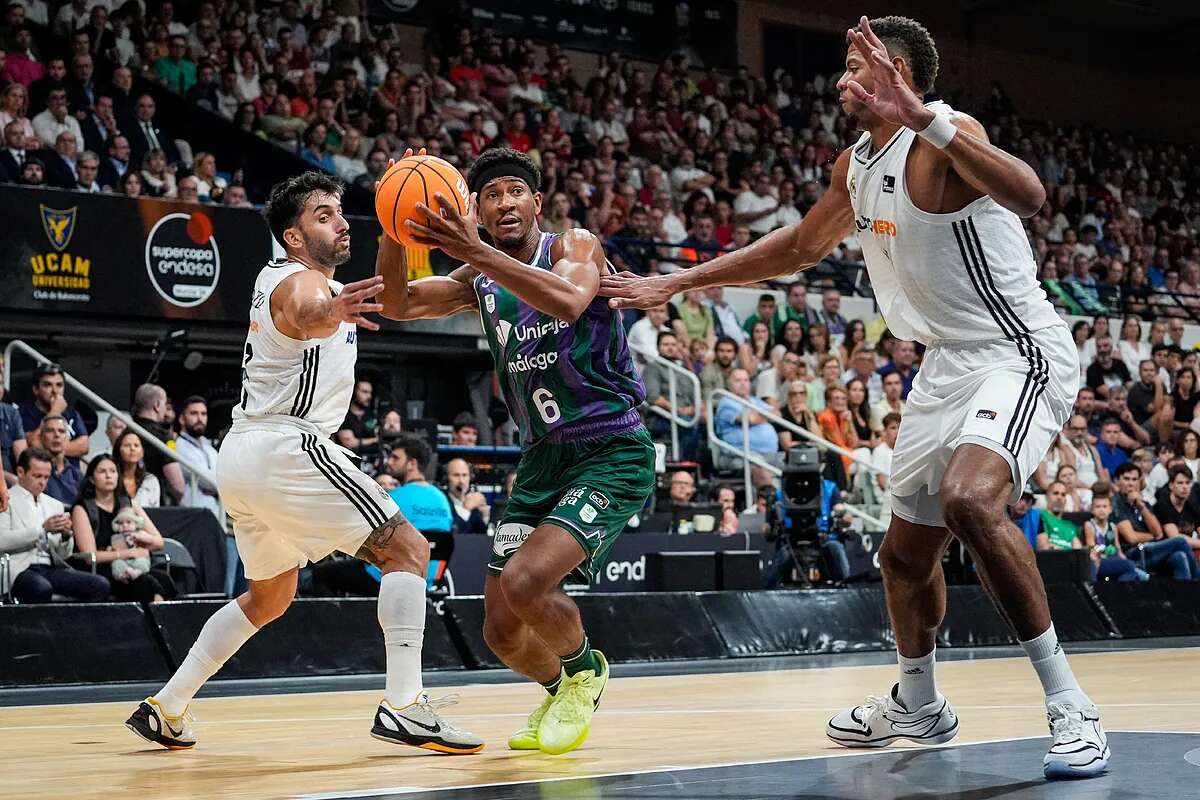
{"points": [[794, 622], [314, 637], [464, 619], [121, 642], [650, 626], [1077, 614], [1158, 607], [78, 643]]}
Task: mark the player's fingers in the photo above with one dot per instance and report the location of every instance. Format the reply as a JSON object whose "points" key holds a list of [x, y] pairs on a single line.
{"points": [[451, 209], [375, 283], [408, 153], [862, 43], [365, 308], [435, 220], [425, 241], [869, 34], [881, 60], [859, 92], [622, 277], [363, 322], [419, 230]]}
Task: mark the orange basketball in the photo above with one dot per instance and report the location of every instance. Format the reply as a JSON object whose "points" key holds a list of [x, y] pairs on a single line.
{"points": [[412, 180]]}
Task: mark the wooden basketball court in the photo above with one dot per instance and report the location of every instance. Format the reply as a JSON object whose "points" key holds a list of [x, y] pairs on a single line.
{"points": [[316, 744]]}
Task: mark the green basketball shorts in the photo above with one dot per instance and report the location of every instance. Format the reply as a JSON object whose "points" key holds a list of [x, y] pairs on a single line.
{"points": [[589, 488]]}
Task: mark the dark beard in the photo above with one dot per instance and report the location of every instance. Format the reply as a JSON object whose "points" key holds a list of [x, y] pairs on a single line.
{"points": [[326, 255], [510, 242], [196, 431]]}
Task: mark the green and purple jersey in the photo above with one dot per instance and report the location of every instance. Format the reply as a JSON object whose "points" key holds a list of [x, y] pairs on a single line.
{"points": [[563, 380]]}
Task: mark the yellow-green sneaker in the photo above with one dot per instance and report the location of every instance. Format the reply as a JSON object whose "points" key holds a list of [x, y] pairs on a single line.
{"points": [[568, 720], [527, 737]]}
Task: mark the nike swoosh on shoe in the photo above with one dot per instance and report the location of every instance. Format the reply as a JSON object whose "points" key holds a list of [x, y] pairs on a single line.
{"points": [[435, 728]]}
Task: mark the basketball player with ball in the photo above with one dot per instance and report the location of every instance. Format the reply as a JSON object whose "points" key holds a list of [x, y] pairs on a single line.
{"points": [[587, 463], [293, 494]]}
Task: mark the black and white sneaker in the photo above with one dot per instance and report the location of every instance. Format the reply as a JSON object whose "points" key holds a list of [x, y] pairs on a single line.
{"points": [[151, 723], [1079, 748], [882, 720], [419, 725]]}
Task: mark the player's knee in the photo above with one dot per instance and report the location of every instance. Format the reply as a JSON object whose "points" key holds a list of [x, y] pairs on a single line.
{"points": [[522, 588], [970, 509], [407, 551], [267, 604]]}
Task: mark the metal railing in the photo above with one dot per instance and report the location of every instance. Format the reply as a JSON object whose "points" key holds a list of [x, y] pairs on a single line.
{"points": [[677, 421], [750, 458], [194, 472]]}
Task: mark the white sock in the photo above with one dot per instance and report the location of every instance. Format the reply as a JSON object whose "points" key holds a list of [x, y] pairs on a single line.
{"points": [[402, 617], [917, 686], [1050, 663], [224, 633]]}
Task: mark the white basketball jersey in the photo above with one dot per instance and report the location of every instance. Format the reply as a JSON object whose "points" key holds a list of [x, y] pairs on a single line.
{"points": [[284, 379], [969, 275]]}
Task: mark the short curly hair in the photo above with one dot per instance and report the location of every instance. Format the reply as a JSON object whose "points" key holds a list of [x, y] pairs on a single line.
{"points": [[286, 202], [500, 156], [911, 41]]}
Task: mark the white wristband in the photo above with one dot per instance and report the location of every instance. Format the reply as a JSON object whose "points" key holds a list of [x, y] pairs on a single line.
{"points": [[939, 132]]}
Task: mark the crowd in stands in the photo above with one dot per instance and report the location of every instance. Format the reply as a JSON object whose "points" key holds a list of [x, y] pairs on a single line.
{"points": [[670, 165]]}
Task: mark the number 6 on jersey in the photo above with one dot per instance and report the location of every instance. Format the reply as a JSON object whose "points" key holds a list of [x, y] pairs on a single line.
{"points": [[546, 405]]}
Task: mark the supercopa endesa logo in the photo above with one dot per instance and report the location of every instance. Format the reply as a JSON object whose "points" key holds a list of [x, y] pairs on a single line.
{"points": [[182, 258]]}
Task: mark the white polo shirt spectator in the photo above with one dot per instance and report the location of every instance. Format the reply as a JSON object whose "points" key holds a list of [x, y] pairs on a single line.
{"points": [[757, 208]]}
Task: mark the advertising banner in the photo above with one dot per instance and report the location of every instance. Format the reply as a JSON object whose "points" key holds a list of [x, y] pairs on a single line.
{"points": [[90, 255]]}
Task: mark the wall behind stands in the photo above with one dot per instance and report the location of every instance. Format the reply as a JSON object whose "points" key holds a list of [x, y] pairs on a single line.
{"points": [[1095, 74]]}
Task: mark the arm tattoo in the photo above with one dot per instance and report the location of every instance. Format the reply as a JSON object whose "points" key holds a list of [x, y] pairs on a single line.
{"points": [[375, 549]]}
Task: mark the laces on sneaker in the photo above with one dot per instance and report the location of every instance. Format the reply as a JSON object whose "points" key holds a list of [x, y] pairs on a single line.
{"points": [[177, 722], [1064, 721], [874, 705], [574, 702], [432, 704]]}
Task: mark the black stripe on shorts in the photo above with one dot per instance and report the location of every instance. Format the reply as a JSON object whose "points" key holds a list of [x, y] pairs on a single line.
{"points": [[357, 495]]}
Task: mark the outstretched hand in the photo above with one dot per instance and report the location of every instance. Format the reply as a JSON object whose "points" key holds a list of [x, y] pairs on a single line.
{"points": [[391, 161], [457, 234], [893, 99], [629, 290], [352, 303]]}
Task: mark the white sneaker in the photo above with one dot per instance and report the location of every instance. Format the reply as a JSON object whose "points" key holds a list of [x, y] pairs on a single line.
{"points": [[882, 720], [1079, 748], [150, 722], [418, 724]]}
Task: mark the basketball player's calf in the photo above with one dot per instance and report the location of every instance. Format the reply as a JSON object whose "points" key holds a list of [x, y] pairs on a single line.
{"points": [[915, 592], [974, 494], [520, 648], [406, 715], [531, 589]]}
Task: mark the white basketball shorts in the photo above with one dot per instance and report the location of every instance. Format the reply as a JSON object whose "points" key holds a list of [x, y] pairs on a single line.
{"points": [[295, 497], [1011, 396]]}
